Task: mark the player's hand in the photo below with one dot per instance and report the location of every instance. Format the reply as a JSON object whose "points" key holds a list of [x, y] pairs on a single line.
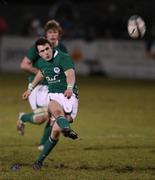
{"points": [[68, 93], [26, 94]]}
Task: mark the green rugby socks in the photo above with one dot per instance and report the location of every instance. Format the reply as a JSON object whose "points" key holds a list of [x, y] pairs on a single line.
{"points": [[49, 145], [46, 133], [62, 122], [28, 117]]}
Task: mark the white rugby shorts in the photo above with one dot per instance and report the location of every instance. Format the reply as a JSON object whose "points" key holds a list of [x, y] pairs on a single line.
{"points": [[69, 105], [39, 97]]}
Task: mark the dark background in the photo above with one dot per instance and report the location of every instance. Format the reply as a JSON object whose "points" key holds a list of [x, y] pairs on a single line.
{"points": [[80, 19]]}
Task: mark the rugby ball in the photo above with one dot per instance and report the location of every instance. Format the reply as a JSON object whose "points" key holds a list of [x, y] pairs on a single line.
{"points": [[136, 27]]}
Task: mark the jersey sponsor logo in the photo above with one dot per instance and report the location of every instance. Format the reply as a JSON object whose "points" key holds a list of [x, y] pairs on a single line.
{"points": [[50, 79], [57, 70]]}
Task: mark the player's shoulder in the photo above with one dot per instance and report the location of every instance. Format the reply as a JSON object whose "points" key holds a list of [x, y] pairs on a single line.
{"points": [[63, 55], [32, 54], [32, 50]]}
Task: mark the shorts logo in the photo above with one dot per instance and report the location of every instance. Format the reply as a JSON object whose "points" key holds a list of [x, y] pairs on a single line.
{"points": [[56, 70]]}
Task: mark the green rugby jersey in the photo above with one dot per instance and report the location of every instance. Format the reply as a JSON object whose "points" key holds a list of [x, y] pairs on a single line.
{"points": [[33, 56], [54, 71]]}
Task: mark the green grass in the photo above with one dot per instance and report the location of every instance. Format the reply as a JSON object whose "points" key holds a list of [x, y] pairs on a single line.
{"points": [[116, 127]]}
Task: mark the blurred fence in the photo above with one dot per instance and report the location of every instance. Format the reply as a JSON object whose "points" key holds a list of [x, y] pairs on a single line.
{"points": [[126, 59]]}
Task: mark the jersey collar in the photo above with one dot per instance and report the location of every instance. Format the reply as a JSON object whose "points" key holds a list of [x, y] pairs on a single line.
{"points": [[55, 52]]}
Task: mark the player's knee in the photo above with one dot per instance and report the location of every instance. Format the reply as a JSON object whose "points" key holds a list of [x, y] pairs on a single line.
{"points": [[57, 113]]}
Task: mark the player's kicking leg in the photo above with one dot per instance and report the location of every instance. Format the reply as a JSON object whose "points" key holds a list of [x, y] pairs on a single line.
{"points": [[61, 125]]}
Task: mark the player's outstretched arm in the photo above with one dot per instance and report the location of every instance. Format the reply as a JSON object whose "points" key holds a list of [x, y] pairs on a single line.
{"points": [[37, 79], [32, 85], [26, 65]]}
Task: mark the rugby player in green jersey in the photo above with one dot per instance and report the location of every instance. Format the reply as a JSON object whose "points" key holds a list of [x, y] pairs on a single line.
{"points": [[38, 97], [58, 69]]}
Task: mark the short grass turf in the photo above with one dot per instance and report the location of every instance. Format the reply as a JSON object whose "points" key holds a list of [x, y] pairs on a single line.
{"points": [[115, 123]]}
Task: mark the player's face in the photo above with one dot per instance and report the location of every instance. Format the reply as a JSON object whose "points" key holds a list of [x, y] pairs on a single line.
{"points": [[52, 36], [45, 51]]}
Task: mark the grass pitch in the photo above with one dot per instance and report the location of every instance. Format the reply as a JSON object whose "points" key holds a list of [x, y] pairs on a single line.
{"points": [[116, 127]]}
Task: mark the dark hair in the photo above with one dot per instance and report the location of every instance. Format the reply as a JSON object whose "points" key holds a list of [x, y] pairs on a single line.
{"points": [[53, 24], [41, 41]]}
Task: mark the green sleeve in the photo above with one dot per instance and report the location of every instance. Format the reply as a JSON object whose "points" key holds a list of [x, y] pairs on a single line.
{"points": [[66, 62], [32, 54]]}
